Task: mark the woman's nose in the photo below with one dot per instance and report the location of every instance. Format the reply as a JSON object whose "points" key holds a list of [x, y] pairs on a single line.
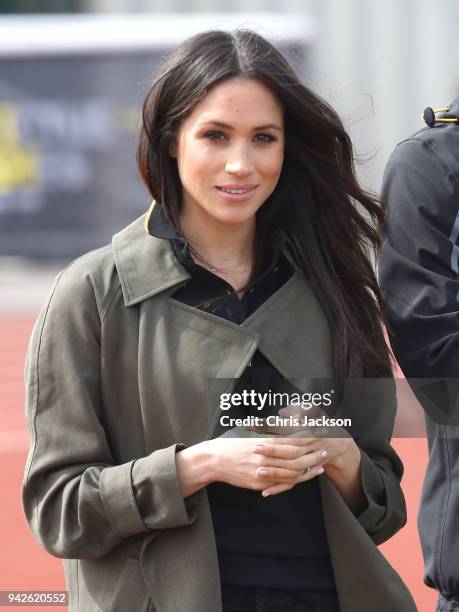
{"points": [[239, 162]]}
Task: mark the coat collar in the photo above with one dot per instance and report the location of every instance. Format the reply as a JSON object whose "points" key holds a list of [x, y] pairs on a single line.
{"points": [[157, 224], [147, 263]]}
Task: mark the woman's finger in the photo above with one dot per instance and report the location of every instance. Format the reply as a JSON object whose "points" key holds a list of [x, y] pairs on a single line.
{"points": [[278, 430], [277, 451], [311, 473], [276, 474], [279, 447], [277, 488], [291, 468], [282, 487], [289, 411]]}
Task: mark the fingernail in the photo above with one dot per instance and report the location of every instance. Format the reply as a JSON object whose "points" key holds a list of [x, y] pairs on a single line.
{"points": [[320, 470], [265, 494], [259, 447], [323, 453], [262, 472]]}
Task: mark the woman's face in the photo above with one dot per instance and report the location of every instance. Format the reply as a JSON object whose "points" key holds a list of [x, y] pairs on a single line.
{"points": [[233, 138]]}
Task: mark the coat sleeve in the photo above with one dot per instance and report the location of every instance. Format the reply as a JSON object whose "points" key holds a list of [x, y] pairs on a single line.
{"points": [[373, 410], [78, 502], [385, 513], [418, 265]]}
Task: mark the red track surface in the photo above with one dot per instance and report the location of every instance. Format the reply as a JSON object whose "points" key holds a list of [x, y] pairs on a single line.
{"points": [[26, 566]]}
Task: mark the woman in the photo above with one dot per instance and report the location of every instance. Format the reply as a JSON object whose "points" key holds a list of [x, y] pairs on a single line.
{"points": [[251, 258]]}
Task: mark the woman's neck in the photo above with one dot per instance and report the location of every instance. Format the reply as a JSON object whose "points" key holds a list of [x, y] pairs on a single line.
{"points": [[220, 244]]}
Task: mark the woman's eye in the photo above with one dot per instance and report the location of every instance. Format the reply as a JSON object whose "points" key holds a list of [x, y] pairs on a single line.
{"points": [[213, 135], [267, 137], [217, 136]]}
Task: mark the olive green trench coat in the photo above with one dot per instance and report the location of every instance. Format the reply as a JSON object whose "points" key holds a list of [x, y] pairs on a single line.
{"points": [[117, 381]]}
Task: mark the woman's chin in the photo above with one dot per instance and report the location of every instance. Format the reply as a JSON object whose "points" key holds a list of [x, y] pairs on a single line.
{"points": [[234, 215], [234, 219]]}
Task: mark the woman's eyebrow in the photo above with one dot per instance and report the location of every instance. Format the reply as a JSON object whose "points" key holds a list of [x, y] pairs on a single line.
{"points": [[274, 126]]}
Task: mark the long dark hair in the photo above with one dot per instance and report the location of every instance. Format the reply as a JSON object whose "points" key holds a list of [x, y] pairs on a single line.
{"points": [[333, 225]]}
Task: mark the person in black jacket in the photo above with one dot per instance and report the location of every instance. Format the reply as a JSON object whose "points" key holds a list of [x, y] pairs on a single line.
{"points": [[418, 273]]}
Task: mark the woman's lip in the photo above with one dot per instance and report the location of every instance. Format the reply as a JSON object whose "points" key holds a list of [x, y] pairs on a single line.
{"points": [[236, 197], [239, 188]]}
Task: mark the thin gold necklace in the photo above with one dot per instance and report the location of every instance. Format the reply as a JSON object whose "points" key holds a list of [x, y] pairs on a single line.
{"points": [[213, 268]]}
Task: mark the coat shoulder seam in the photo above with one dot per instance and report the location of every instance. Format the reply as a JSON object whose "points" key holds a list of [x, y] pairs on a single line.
{"points": [[37, 377]]}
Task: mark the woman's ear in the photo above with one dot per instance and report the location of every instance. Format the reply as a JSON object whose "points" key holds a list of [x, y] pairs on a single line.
{"points": [[173, 148]]}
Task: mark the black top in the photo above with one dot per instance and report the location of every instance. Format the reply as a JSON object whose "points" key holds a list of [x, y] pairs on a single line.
{"points": [[278, 541]]}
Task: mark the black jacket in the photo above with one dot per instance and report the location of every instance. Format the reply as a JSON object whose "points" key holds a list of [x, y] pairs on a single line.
{"points": [[418, 272]]}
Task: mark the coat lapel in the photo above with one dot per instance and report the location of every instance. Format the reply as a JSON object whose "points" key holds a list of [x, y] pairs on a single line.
{"points": [[294, 333], [146, 265]]}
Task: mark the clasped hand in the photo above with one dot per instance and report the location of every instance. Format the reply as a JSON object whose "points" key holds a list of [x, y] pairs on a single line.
{"points": [[296, 448], [271, 465]]}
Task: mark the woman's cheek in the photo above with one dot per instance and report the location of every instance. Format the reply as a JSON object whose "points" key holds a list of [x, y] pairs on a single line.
{"points": [[193, 167], [271, 167], [202, 161]]}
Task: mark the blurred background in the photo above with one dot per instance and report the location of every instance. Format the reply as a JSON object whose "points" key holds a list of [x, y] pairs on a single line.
{"points": [[73, 74]]}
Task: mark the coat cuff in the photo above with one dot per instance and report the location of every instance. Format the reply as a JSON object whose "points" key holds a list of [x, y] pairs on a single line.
{"points": [[145, 494], [117, 497], [374, 491], [157, 492]]}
